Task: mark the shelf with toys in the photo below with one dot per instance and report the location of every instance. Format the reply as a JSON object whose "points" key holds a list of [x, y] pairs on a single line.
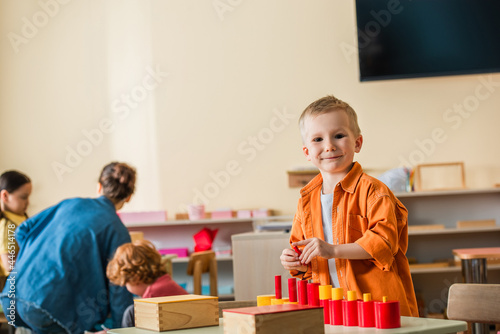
{"points": [[175, 236], [440, 221]]}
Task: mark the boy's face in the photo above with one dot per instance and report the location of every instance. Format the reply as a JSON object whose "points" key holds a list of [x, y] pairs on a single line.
{"points": [[329, 142]]}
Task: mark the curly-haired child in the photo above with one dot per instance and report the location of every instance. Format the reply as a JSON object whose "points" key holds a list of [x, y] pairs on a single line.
{"points": [[138, 266]]}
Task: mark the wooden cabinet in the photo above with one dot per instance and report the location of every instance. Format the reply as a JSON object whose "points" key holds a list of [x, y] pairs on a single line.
{"points": [[257, 261], [432, 247]]}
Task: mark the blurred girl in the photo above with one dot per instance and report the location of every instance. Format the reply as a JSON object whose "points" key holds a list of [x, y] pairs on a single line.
{"points": [[15, 190]]}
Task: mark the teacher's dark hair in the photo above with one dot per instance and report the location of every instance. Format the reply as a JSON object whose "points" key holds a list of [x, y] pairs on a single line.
{"points": [[118, 181]]}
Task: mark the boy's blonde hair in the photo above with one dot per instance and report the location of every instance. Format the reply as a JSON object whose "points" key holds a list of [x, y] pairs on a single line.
{"points": [[137, 262], [328, 104]]}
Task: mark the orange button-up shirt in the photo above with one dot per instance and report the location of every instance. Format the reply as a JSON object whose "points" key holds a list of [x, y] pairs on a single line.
{"points": [[365, 212]]}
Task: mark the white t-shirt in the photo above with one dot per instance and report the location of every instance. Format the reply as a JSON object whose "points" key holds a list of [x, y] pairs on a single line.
{"points": [[326, 211]]}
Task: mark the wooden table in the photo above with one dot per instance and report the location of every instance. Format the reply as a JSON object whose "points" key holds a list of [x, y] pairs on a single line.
{"points": [[408, 325], [474, 270]]}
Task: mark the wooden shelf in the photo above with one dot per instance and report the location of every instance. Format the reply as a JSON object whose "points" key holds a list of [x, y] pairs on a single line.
{"points": [[454, 230], [218, 258], [210, 221], [433, 269], [191, 222], [448, 192]]}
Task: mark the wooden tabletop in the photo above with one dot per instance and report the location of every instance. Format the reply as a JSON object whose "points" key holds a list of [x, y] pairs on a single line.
{"points": [[408, 325], [477, 253]]}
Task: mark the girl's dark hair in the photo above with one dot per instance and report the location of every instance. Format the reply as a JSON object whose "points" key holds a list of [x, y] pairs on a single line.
{"points": [[118, 181], [12, 180]]}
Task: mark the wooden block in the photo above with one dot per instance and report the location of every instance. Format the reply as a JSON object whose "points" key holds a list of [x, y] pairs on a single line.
{"points": [[300, 178], [273, 319], [176, 312], [429, 265], [181, 216], [440, 176], [136, 235], [425, 227], [476, 223]]}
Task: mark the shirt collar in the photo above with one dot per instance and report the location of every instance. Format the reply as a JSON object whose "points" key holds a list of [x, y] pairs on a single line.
{"points": [[14, 217], [348, 183]]}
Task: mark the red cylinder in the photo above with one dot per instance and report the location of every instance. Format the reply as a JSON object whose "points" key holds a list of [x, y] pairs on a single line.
{"points": [[366, 313], [313, 294], [277, 286], [325, 303], [302, 292], [387, 314], [350, 310], [292, 289], [336, 314]]}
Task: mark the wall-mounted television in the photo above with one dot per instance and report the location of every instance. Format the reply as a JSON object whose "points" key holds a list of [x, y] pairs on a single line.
{"points": [[424, 38]]}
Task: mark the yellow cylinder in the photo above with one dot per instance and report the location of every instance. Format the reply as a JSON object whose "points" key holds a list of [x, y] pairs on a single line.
{"points": [[275, 301], [351, 295], [384, 299], [337, 293], [367, 297], [325, 292], [263, 300]]}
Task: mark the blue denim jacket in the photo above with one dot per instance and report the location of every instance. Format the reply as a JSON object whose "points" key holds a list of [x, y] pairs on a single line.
{"points": [[61, 265]]}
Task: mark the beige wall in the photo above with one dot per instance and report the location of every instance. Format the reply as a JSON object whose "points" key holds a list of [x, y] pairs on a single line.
{"points": [[229, 84]]}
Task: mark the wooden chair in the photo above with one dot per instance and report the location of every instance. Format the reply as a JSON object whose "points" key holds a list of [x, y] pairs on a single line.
{"points": [[166, 260], [235, 304], [474, 303], [199, 263]]}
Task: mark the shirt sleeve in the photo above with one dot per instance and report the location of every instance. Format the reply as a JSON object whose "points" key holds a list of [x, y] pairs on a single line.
{"points": [[297, 234], [120, 300], [32, 227], [381, 238], [4, 236]]}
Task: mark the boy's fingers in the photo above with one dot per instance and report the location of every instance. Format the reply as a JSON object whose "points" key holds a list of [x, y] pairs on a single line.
{"points": [[301, 242]]}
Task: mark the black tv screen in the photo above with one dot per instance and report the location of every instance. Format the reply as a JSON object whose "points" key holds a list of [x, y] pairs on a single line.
{"points": [[423, 38]]}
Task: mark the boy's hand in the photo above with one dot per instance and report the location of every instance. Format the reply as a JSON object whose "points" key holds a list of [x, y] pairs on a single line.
{"points": [[314, 247], [290, 260]]}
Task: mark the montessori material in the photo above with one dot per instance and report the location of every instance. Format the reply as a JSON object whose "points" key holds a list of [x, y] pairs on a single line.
{"points": [[325, 295], [313, 294], [264, 300], [366, 311], [277, 286], [292, 289], [350, 309], [302, 292], [337, 311], [176, 312], [274, 319], [387, 314], [336, 314]]}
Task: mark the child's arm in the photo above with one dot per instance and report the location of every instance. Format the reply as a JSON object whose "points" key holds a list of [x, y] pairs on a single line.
{"points": [[316, 247]]}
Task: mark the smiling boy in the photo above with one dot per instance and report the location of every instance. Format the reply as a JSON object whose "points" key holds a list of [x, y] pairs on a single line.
{"points": [[353, 230]]}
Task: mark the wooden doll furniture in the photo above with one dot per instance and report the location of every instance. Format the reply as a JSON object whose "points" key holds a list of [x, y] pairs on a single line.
{"points": [[199, 263]]}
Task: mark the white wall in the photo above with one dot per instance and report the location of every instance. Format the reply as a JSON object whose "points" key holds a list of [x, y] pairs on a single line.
{"points": [[229, 88]]}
